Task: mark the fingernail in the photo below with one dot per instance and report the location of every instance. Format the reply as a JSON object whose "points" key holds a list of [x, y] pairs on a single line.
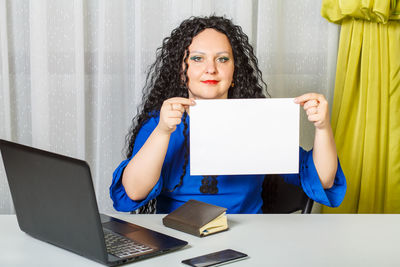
{"points": [[296, 101]]}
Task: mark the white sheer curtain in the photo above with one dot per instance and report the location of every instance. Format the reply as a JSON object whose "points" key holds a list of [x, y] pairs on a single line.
{"points": [[71, 72]]}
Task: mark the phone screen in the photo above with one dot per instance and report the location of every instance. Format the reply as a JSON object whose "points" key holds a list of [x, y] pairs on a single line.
{"points": [[213, 259]]}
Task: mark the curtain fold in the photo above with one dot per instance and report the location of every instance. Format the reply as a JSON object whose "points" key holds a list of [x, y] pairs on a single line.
{"points": [[380, 11], [4, 70], [40, 76], [79, 58], [366, 105]]}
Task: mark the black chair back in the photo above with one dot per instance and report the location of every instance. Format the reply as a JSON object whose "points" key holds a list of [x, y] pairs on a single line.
{"points": [[281, 197]]}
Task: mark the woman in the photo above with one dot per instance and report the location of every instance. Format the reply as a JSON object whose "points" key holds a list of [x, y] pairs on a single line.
{"points": [[210, 58]]}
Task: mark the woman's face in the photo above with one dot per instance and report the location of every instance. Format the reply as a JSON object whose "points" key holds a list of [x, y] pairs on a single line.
{"points": [[211, 65]]}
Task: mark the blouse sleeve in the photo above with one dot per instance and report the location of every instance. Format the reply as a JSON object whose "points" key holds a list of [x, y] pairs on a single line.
{"points": [[309, 180], [121, 201]]}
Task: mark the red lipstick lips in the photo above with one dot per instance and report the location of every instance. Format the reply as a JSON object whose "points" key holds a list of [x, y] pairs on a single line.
{"points": [[210, 82]]}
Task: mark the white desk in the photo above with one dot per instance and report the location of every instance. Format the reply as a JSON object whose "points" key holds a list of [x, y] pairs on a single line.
{"points": [[269, 240]]}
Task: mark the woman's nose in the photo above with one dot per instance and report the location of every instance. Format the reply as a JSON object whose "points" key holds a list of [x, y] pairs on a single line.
{"points": [[210, 67]]}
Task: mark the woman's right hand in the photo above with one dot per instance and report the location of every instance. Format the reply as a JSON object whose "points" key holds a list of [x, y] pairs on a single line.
{"points": [[171, 113]]}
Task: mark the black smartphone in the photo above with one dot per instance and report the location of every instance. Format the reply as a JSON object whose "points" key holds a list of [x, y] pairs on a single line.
{"points": [[216, 258]]}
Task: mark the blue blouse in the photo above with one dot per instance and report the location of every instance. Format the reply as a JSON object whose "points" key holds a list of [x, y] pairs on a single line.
{"points": [[237, 193]]}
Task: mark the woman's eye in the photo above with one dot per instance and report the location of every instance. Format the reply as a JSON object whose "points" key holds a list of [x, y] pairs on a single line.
{"points": [[196, 58], [223, 59]]}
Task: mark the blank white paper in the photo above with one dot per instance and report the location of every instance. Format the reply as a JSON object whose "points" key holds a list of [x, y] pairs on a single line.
{"points": [[244, 136]]}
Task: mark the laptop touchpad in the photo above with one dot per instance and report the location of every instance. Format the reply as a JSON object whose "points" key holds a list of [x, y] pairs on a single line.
{"points": [[121, 228]]}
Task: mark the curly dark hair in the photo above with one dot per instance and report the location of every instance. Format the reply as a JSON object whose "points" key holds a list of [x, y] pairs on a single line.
{"points": [[164, 78]]}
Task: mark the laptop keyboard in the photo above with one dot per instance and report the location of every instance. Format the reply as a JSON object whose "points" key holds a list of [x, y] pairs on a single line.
{"points": [[123, 247]]}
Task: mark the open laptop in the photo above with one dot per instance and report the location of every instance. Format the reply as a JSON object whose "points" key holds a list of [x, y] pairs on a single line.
{"points": [[55, 202]]}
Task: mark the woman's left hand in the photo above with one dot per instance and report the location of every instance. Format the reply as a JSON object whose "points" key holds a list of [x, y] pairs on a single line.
{"points": [[316, 107]]}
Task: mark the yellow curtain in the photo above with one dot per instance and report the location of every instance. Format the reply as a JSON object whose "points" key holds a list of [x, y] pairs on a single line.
{"points": [[366, 105]]}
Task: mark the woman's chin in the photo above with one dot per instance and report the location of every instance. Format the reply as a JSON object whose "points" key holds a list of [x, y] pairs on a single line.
{"points": [[209, 96]]}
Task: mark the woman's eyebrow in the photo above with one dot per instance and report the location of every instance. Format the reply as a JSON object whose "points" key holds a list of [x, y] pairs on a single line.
{"points": [[197, 52], [223, 52], [202, 53]]}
